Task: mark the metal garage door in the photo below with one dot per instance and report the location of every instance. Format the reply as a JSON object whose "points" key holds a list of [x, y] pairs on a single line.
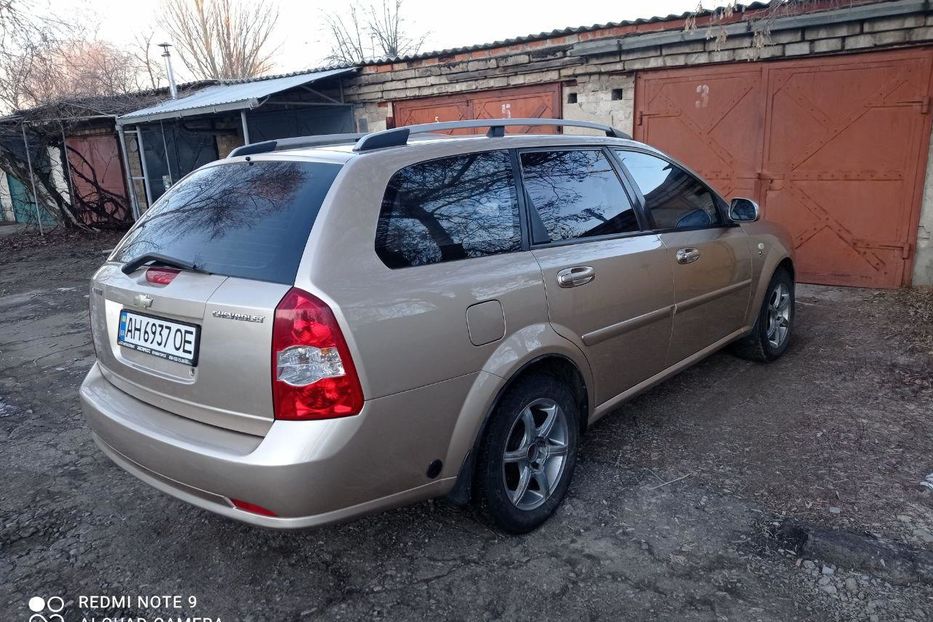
{"points": [[97, 179], [541, 101], [24, 208], [833, 148]]}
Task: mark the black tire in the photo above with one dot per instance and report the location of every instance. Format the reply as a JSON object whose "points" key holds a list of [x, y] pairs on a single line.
{"points": [[497, 480], [758, 346]]}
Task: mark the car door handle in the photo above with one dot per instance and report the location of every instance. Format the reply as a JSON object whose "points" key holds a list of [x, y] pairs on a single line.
{"points": [[687, 255], [576, 276]]}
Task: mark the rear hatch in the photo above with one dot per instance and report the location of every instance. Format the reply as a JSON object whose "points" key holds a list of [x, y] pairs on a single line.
{"points": [[190, 329]]}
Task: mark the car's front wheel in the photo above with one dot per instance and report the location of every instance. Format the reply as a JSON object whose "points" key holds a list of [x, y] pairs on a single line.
{"points": [[772, 331], [527, 454]]}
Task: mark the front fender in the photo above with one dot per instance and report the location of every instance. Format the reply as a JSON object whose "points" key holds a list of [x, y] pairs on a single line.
{"points": [[770, 245]]}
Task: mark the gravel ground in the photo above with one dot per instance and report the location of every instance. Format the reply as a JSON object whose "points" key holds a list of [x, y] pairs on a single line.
{"points": [[833, 439]]}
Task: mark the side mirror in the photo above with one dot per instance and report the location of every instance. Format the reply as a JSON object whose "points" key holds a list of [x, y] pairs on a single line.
{"points": [[744, 210]]}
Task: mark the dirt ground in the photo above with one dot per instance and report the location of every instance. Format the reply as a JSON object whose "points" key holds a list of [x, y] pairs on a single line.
{"points": [[680, 508]]}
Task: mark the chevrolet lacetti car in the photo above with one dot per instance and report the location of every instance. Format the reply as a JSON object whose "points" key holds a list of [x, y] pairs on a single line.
{"points": [[312, 329]]}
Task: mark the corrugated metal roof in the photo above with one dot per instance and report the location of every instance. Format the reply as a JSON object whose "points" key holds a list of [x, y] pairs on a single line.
{"points": [[229, 95]]}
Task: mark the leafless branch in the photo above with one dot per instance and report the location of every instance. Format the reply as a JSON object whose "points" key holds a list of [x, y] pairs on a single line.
{"points": [[222, 39], [368, 31], [152, 70]]}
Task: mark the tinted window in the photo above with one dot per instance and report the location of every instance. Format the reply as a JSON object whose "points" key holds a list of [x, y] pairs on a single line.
{"points": [[576, 194], [675, 198], [244, 220], [448, 209]]}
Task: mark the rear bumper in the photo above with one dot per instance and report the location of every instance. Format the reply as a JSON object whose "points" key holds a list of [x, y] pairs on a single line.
{"points": [[308, 473]]}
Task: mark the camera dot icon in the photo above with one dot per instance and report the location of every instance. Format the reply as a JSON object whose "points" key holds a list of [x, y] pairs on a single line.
{"points": [[53, 605]]}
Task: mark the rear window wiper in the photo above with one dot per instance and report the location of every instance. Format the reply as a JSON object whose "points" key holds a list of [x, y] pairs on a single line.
{"points": [[133, 264]]}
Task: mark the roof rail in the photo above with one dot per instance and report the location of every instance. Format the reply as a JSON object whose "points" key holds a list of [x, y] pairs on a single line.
{"points": [[399, 136], [295, 143]]}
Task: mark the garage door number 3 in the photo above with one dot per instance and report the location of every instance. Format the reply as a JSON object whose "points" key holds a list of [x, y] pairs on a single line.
{"points": [[703, 99]]}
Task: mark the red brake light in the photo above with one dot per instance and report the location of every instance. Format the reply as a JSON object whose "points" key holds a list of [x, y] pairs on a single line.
{"points": [[313, 376], [161, 276], [252, 508]]}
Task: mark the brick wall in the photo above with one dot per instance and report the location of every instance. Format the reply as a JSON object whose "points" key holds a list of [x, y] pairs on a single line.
{"points": [[603, 76]]}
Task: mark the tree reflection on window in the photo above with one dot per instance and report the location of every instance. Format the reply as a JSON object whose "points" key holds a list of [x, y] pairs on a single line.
{"points": [[448, 209], [576, 194], [238, 219]]}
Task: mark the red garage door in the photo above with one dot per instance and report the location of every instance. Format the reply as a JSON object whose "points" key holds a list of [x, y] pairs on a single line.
{"points": [[542, 101], [833, 148], [97, 178]]}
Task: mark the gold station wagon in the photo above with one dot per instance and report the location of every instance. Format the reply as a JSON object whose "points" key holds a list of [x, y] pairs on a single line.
{"points": [[316, 328]]}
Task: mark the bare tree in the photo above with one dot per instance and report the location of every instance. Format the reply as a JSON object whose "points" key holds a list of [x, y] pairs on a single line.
{"points": [[222, 39], [88, 201], [370, 31], [347, 33], [77, 68], [153, 71], [44, 59], [24, 36], [386, 27], [52, 76]]}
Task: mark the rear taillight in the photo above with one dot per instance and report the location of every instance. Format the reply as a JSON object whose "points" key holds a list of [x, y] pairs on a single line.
{"points": [[313, 376], [252, 508], [161, 276]]}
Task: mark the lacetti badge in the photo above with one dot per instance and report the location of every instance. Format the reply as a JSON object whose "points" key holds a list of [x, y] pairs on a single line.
{"points": [[243, 317], [142, 300]]}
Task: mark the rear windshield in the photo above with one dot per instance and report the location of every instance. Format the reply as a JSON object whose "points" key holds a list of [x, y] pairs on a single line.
{"points": [[248, 220]]}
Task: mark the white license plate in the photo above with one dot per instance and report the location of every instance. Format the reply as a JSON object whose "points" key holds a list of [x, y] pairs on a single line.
{"points": [[167, 339]]}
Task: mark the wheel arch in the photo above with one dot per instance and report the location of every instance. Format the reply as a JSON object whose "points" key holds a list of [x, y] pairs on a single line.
{"points": [[773, 263], [553, 363], [787, 264]]}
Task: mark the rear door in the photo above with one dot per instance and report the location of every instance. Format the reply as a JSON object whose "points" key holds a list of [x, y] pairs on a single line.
{"points": [[609, 285], [709, 256], [197, 341], [450, 279]]}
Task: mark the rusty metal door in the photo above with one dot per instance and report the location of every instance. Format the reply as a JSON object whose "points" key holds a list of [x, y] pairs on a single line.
{"points": [[710, 118], [844, 152], [540, 101], [96, 170], [833, 148], [432, 110]]}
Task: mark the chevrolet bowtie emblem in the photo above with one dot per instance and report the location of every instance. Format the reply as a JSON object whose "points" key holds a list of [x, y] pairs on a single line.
{"points": [[142, 300]]}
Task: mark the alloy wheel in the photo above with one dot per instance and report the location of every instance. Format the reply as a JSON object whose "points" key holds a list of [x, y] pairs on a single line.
{"points": [[535, 454], [779, 310]]}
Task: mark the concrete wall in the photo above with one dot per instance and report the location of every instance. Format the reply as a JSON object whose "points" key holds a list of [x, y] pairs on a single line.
{"points": [[6, 201], [371, 116], [58, 172], [598, 66], [603, 98], [923, 257]]}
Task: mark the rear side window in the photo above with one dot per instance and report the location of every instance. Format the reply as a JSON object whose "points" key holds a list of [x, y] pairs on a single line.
{"points": [[674, 198], [248, 220], [576, 194], [449, 209]]}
